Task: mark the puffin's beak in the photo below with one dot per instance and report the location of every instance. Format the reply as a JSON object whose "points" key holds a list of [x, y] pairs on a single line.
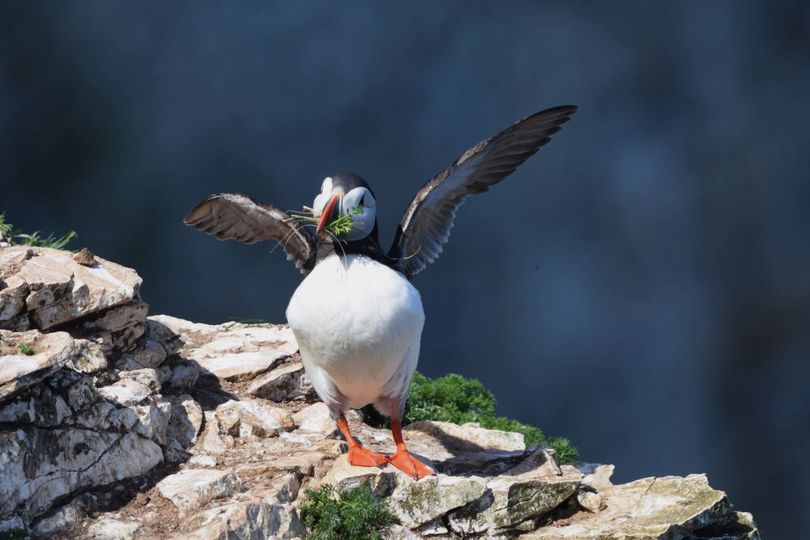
{"points": [[329, 213]]}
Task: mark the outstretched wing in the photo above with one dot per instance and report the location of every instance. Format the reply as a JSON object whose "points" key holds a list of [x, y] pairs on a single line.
{"points": [[425, 226], [231, 216]]}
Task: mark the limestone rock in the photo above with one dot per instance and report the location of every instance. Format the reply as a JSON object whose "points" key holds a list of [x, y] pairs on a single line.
{"points": [[148, 354], [112, 529], [469, 437], [414, 503], [184, 376], [149, 377], [193, 488], [87, 418], [300, 464], [288, 382], [126, 392], [57, 289], [43, 465], [398, 532], [154, 419], [665, 507], [185, 421], [251, 417], [203, 460], [251, 519], [232, 351], [316, 419], [19, 371], [510, 501], [590, 501]]}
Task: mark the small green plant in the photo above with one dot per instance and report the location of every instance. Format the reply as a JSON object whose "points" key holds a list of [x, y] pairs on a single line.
{"points": [[341, 225], [14, 534], [5, 228], [34, 239], [25, 349], [457, 399], [354, 514], [8, 234]]}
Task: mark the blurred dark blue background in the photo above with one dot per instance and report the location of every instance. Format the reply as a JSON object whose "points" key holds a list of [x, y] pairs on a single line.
{"points": [[641, 286]]}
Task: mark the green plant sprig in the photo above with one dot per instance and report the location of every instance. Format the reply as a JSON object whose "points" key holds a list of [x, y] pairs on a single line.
{"points": [[8, 234], [341, 225], [330, 514], [25, 349]]}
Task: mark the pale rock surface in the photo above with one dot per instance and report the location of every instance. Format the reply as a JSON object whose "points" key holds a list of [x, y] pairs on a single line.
{"points": [[150, 354], [194, 488], [185, 420], [19, 371], [112, 529], [285, 383], [664, 507], [126, 392], [316, 419], [57, 289], [250, 519], [148, 377], [469, 437], [232, 351], [251, 417], [87, 421], [414, 503]]}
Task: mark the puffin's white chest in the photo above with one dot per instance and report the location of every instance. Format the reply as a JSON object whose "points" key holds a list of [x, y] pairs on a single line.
{"points": [[357, 320]]}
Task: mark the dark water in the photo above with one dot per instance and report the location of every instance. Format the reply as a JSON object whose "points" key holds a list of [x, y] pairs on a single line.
{"points": [[641, 286]]}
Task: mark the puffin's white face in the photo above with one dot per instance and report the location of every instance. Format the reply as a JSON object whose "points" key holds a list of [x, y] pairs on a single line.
{"points": [[332, 203]]}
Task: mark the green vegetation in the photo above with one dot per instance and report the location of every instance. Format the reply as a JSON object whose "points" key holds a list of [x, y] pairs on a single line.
{"points": [[5, 228], [25, 349], [354, 514], [457, 399], [51, 241], [341, 225], [14, 534], [8, 234]]}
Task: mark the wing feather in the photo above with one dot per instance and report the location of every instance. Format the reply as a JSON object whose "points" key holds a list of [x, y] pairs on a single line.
{"points": [[426, 223], [231, 216]]}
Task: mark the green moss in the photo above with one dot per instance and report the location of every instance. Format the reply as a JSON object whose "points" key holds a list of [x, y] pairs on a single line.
{"points": [[25, 349], [354, 514], [457, 399]]}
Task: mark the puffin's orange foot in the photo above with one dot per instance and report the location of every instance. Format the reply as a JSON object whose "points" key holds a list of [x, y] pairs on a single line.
{"points": [[405, 462], [363, 457]]}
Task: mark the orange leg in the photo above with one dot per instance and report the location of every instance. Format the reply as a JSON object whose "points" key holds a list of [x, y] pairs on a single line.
{"points": [[402, 459], [358, 455]]}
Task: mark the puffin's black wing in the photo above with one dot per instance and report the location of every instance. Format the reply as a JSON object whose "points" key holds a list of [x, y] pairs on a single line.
{"points": [[426, 224], [231, 216]]}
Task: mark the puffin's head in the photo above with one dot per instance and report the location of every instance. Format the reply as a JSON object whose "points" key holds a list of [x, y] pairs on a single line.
{"points": [[346, 195]]}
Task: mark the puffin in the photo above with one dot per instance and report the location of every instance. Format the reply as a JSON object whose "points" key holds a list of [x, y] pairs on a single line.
{"points": [[356, 315]]}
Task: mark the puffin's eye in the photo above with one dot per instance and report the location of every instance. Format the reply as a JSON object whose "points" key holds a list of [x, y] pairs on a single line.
{"points": [[362, 203]]}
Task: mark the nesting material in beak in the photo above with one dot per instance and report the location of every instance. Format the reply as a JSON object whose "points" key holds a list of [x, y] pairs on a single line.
{"points": [[330, 212]]}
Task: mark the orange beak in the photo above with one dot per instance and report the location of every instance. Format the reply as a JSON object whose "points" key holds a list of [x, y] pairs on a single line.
{"points": [[328, 214]]}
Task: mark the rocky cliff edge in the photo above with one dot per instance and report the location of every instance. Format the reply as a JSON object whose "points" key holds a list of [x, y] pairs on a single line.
{"points": [[115, 424]]}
